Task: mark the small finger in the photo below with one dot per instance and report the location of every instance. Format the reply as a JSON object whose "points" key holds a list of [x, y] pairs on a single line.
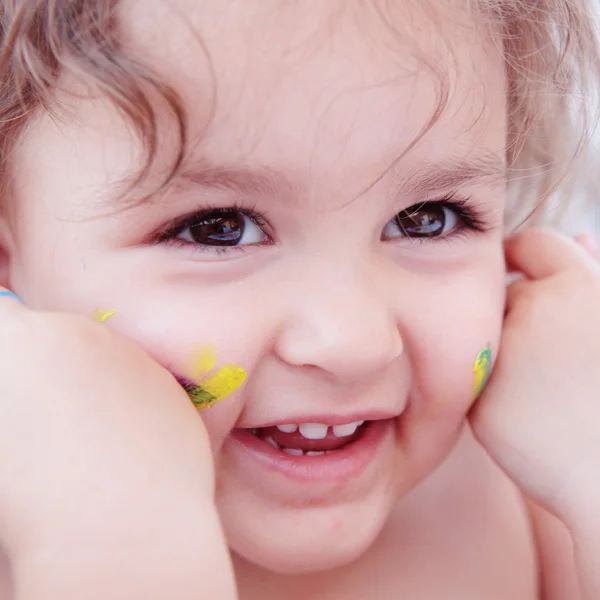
{"points": [[539, 253]]}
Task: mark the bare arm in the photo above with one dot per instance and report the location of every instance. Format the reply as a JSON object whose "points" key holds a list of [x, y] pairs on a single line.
{"points": [[106, 472], [178, 554]]}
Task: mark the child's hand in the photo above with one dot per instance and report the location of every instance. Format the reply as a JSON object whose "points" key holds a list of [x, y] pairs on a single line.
{"points": [[95, 438], [539, 416]]}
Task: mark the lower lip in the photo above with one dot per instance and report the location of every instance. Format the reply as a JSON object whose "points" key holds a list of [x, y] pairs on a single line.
{"points": [[339, 466]]}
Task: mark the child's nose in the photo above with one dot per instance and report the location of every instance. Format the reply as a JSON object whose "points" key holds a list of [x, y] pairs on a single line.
{"points": [[344, 330]]}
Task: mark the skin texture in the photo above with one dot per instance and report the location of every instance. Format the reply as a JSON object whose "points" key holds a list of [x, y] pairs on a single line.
{"points": [[550, 450], [81, 458], [328, 318]]}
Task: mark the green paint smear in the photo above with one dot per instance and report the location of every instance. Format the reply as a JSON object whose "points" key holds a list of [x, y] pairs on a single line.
{"points": [[198, 395], [482, 370]]}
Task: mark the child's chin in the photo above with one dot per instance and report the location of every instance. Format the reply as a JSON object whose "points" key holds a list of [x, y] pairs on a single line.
{"points": [[296, 558], [319, 540]]}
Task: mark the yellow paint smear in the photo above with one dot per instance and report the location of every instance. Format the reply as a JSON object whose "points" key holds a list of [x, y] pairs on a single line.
{"points": [[224, 382], [481, 370], [211, 386], [203, 361], [101, 315]]}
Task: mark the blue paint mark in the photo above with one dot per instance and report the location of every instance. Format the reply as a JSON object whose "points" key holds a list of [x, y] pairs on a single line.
{"points": [[12, 295]]}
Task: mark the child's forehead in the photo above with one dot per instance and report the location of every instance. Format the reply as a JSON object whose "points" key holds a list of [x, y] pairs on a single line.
{"points": [[333, 83], [325, 104], [264, 42]]}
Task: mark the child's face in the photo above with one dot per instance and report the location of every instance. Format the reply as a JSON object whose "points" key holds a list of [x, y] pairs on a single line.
{"points": [[302, 131]]}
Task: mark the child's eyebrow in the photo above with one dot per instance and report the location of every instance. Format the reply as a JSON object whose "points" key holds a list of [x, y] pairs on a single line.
{"points": [[485, 167], [258, 180]]}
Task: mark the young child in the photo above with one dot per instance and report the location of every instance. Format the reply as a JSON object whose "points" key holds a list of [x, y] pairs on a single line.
{"points": [[312, 194]]}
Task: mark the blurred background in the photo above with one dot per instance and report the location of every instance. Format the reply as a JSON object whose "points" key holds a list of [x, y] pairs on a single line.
{"points": [[583, 216]]}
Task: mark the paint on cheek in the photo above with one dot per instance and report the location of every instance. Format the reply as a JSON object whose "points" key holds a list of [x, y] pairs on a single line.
{"points": [[212, 387], [203, 361], [100, 314], [481, 370]]}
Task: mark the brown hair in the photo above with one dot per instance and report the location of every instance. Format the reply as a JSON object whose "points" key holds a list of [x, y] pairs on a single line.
{"points": [[552, 61], [41, 38]]}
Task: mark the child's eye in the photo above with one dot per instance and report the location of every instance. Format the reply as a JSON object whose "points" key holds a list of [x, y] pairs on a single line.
{"points": [[430, 220], [222, 227]]}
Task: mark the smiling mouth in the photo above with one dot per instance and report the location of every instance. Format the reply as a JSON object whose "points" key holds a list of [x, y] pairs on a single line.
{"points": [[311, 439]]}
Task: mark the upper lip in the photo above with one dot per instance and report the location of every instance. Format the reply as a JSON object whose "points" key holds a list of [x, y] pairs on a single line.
{"points": [[329, 419]]}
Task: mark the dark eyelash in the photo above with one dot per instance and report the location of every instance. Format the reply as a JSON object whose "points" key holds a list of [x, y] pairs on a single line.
{"points": [[470, 216], [175, 227], [473, 217]]}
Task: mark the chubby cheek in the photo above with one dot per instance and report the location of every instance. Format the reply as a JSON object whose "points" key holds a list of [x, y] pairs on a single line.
{"points": [[445, 339], [184, 341], [191, 336], [174, 320]]}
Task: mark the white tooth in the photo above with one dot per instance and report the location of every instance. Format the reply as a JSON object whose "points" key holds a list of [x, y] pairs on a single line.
{"points": [[315, 452], [313, 431], [293, 451], [346, 429], [271, 442], [287, 427]]}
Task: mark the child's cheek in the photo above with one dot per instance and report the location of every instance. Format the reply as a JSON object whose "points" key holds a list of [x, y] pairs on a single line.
{"points": [[201, 356], [193, 350], [482, 370], [455, 346], [458, 386]]}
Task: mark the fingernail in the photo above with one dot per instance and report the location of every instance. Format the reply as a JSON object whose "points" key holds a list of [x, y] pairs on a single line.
{"points": [[7, 294]]}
